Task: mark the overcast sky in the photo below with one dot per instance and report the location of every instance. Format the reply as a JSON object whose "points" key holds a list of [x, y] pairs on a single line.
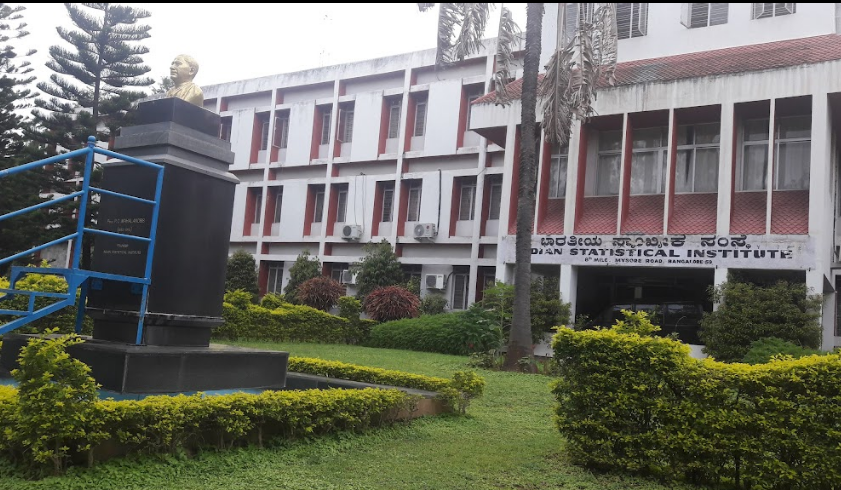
{"points": [[235, 41]]}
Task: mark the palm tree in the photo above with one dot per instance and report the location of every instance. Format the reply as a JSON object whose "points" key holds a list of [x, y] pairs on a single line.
{"points": [[568, 89]]}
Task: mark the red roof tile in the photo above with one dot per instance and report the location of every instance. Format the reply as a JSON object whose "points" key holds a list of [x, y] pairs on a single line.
{"points": [[738, 59]]}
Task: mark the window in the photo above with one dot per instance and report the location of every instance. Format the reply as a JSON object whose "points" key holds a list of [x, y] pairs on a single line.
{"points": [[631, 20], [388, 202], [325, 127], [472, 95], [793, 153], [341, 206], [394, 119], [703, 14], [319, 207], [258, 203], [413, 213], [697, 158], [275, 283], [495, 199], [278, 205], [420, 118], [346, 121], [558, 175], [264, 134], [577, 13], [754, 155], [336, 272], [225, 129], [610, 156], [763, 10], [281, 132], [467, 203], [460, 291], [648, 161]]}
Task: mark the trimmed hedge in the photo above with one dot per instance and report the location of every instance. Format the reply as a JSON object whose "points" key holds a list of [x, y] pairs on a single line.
{"points": [[286, 323], [64, 320], [336, 369], [460, 333], [642, 404]]}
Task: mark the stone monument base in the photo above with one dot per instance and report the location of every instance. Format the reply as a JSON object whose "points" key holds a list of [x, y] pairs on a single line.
{"points": [[147, 369]]}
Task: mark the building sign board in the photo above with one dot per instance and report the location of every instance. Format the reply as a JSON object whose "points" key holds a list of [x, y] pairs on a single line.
{"points": [[697, 251]]}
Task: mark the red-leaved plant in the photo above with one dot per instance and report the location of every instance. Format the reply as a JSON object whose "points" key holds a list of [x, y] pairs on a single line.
{"points": [[391, 303], [320, 292]]}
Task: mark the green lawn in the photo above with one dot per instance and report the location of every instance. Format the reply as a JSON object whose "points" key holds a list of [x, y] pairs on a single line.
{"points": [[507, 441]]}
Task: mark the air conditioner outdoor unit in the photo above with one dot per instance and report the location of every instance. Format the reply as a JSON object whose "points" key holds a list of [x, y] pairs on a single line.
{"points": [[434, 281], [351, 232], [348, 277], [425, 230]]}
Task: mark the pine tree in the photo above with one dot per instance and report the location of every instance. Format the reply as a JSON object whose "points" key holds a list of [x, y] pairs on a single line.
{"points": [[92, 88]]}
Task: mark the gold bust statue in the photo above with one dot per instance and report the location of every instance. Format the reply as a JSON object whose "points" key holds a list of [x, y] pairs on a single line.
{"points": [[182, 71]]}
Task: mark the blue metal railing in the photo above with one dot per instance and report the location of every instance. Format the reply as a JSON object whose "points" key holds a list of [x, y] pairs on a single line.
{"points": [[76, 277]]}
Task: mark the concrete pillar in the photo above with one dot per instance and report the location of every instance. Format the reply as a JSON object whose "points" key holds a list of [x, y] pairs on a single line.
{"points": [[817, 282], [725, 169], [569, 287], [719, 279]]}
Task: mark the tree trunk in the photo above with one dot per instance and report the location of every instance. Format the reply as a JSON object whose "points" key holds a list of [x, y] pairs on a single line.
{"points": [[520, 341]]}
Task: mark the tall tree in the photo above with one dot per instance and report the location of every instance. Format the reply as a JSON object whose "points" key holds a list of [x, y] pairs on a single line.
{"points": [[95, 80], [574, 72]]}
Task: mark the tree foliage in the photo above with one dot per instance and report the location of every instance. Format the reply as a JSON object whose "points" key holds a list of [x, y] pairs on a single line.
{"points": [[391, 303], [241, 273], [750, 312], [305, 268], [378, 268]]}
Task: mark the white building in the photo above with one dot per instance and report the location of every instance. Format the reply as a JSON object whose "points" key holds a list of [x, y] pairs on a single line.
{"points": [[715, 152]]}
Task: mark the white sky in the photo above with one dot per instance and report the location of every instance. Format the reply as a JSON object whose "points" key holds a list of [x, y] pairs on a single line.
{"points": [[240, 41]]}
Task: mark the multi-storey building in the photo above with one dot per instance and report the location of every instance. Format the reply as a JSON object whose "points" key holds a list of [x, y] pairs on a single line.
{"points": [[715, 152]]}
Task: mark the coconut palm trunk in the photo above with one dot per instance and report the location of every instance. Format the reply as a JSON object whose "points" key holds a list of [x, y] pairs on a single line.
{"points": [[520, 340]]}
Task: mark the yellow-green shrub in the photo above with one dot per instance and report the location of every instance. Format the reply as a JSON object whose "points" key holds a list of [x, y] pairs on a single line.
{"points": [[336, 369], [64, 320], [643, 404], [285, 323]]}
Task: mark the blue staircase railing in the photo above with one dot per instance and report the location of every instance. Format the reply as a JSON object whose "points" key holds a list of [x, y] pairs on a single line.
{"points": [[76, 277]]}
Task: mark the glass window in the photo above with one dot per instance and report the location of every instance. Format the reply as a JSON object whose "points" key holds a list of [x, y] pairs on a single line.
{"points": [[278, 205], [754, 155], [793, 153], [388, 202], [558, 175], [704, 14], [496, 200], [341, 206], [648, 161], [609, 163], [420, 118], [697, 158], [763, 10], [275, 282], [413, 213], [460, 291], [472, 95], [319, 207], [394, 119], [281, 132], [467, 203], [325, 126], [225, 129], [258, 203], [347, 125], [631, 20], [264, 134], [337, 271], [576, 13]]}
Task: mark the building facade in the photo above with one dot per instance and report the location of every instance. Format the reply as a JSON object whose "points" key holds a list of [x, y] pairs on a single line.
{"points": [[714, 153]]}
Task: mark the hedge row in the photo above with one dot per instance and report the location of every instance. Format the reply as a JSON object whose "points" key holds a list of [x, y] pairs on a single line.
{"points": [[460, 333], [643, 404], [336, 369], [166, 424], [64, 320], [286, 323]]}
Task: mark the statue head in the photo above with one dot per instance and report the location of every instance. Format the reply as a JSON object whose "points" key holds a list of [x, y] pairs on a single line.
{"points": [[183, 69]]}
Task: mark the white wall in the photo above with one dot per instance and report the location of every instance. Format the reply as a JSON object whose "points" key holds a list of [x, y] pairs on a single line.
{"points": [[367, 113], [442, 118], [301, 120]]}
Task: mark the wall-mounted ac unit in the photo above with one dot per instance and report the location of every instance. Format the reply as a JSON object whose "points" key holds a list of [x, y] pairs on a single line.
{"points": [[425, 230], [434, 281], [348, 277], [351, 232]]}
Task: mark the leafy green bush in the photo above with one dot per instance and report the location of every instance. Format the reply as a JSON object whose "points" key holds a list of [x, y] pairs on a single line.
{"points": [[547, 309], [55, 409], [349, 308], [359, 329], [433, 304], [273, 300], [458, 333], [750, 312], [466, 386], [241, 273], [391, 303], [305, 268], [641, 403], [320, 292], [285, 323], [765, 350], [377, 269]]}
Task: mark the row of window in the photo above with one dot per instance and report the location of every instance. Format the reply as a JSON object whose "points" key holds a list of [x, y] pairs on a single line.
{"points": [[632, 18], [466, 209], [696, 166]]}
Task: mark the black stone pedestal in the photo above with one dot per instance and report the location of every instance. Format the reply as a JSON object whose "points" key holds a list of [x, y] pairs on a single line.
{"points": [[144, 369]]}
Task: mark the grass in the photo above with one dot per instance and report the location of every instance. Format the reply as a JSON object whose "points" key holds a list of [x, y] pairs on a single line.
{"points": [[507, 441]]}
